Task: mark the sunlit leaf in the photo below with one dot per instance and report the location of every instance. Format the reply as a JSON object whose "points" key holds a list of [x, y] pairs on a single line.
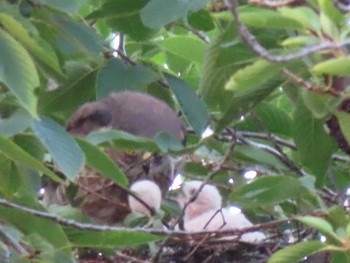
{"points": [[336, 66]]}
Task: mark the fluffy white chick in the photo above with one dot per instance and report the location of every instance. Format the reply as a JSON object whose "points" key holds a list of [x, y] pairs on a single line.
{"points": [[147, 191], [204, 213]]}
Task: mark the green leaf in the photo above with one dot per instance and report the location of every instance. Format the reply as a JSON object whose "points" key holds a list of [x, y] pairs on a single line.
{"points": [[36, 48], [193, 107], [73, 38], [243, 101], [100, 161], [263, 18], [299, 41], [329, 9], [122, 140], [17, 154], [67, 98], [124, 16], [315, 146], [158, 13], [268, 190], [257, 73], [69, 6], [297, 252], [251, 154], [110, 239], [337, 66], [117, 75], [30, 224], [268, 118], [344, 123], [166, 142], [201, 20], [319, 223], [16, 123], [223, 57], [186, 47], [303, 15], [18, 72], [63, 149], [321, 105]]}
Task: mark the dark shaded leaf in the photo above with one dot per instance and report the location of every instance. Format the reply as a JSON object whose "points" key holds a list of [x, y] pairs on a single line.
{"points": [[17, 154], [158, 13], [193, 107], [315, 146], [124, 16], [117, 75]]}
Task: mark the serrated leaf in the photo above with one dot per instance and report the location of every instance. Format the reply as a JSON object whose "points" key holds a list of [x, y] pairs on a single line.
{"points": [[61, 146], [158, 13], [17, 154], [336, 66], [315, 146], [186, 47], [297, 252], [124, 16], [18, 72], [100, 161], [268, 190], [258, 72], [117, 75], [110, 239], [193, 107]]}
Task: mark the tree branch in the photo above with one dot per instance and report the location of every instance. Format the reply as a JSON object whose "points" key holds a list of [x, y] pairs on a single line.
{"points": [[250, 39]]}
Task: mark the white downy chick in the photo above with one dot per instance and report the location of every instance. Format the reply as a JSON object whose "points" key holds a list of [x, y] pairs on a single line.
{"points": [[204, 213], [147, 191]]}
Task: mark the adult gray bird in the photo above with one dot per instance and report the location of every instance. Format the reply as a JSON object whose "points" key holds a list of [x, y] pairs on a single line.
{"points": [[136, 113]]}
